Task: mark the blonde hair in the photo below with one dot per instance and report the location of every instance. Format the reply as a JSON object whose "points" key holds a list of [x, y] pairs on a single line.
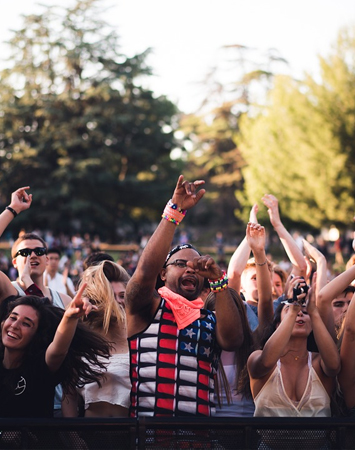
{"points": [[100, 293]]}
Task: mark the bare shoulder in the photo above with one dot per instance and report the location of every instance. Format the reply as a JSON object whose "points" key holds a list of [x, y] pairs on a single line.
{"points": [[139, 315], [65, 299]]}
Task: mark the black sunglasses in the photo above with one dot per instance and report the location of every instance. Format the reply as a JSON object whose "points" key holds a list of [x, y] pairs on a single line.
{"points": [[180, 263], [39, 251]]}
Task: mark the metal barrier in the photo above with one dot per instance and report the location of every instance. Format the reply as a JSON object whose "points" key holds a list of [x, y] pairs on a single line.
{"points": [[187, 433]]}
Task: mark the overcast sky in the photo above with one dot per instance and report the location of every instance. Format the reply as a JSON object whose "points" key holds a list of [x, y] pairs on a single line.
{"points": [[186, 36]]}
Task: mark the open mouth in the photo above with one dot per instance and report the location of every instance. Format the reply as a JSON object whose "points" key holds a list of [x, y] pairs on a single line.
{"points": [[189, 283], [12, 335], [300, 322]]}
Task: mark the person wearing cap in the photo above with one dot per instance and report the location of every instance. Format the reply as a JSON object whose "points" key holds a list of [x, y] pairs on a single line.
{"points": [[175, 343]]}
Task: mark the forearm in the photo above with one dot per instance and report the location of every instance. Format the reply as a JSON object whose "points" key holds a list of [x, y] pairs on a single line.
{"points": [[229, 327], [154, 254], [6, 287], [336, 286], [237, 264], [292, 250], [263, 279], [59, 347], [6, 217], [276, 344], [326, 346]]}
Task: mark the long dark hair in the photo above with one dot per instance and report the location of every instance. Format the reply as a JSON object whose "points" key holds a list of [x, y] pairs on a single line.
{"points": [[241, 384], [82, 364]]}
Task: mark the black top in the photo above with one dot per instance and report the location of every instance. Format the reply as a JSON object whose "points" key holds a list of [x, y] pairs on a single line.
{"points": [[28, 391]]}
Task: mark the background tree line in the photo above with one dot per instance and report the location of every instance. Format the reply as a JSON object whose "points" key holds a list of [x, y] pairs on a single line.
{"points": [[97, 148]]}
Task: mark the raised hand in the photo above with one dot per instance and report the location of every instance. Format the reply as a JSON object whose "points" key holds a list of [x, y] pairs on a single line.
{"points": [[20, 199], [311, 252], [292, 284], [26, 273], [186, 194], [253, 213], [80, 306], [255, 236], [271, 202]]}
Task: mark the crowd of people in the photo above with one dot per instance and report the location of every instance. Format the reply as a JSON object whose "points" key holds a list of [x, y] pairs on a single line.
{"points": [[178, 335]]}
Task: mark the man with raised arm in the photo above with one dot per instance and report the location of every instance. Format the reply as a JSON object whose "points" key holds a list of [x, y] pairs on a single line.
{"points": [[174, 343]]}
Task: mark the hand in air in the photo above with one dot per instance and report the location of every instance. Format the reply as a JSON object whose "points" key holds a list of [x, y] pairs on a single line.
{"points": [[271, 202], [186, 194], [255, 236], [80, 306], [20, 199]]}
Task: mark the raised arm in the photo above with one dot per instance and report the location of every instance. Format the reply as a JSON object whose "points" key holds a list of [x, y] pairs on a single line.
{"points": [[346, 376], [323, 302], [255, 236], [20, 201], [141, 299], [328, 352], [262, 362], [292, 250], [58, 349], [240, 257]]}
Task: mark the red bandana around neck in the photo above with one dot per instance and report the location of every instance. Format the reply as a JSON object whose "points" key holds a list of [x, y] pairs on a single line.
{"points": [[184, 311]]}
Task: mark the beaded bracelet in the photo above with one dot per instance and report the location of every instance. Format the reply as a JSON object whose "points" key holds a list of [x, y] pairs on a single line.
{"points": [[175, 206], [173, 213], [219, 285]]}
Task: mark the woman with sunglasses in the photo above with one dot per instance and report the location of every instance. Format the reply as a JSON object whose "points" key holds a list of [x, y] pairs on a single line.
{"points": [[41, 346]]}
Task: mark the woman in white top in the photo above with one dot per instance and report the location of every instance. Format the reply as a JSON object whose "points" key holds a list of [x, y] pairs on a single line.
{"points": [[106, 285], [286, 379]]}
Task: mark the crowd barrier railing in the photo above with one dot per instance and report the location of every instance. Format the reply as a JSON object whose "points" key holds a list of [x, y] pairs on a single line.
{"points": [[178, 433]]}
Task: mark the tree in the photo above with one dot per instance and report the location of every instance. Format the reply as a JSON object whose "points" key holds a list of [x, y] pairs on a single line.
{"points": [[301, 145], [215, 132], [77, 126]]}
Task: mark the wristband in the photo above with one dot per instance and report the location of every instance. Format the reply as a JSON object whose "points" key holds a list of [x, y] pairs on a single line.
{"points": [[11, 210], [262, 264], [220, 284], [173, 213]]}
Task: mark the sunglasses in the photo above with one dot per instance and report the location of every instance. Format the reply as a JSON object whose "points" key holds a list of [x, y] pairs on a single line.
{"points": [[39, 251], [180, 263]]}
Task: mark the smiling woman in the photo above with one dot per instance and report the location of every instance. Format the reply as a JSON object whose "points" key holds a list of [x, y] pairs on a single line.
{"points": [[41, 346]]}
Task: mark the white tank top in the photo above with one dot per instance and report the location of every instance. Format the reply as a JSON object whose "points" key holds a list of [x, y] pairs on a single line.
{"points": [[115, 387], [272, 400]]}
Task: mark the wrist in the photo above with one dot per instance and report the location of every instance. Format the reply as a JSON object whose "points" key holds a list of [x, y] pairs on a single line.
{"points": [[219, 284], [12, 210], [173, 213]]}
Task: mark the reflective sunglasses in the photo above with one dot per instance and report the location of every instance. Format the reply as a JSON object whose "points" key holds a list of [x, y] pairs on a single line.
{"points": [[180, 263], [39, 251]]}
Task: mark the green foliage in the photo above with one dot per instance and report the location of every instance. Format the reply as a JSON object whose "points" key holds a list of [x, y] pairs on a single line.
{"points": [[215, 133], [301, 146], [77, 126]]}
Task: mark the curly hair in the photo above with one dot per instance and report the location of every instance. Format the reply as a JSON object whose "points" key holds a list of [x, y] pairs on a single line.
{"points": [[82, 363]]}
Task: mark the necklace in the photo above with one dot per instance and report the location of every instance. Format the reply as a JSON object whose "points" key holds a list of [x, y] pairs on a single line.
{"points": [[297, 357], [300, 357]]}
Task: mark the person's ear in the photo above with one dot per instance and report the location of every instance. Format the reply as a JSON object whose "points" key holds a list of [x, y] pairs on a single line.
{"points": [[14, 263], [163, 274]]}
